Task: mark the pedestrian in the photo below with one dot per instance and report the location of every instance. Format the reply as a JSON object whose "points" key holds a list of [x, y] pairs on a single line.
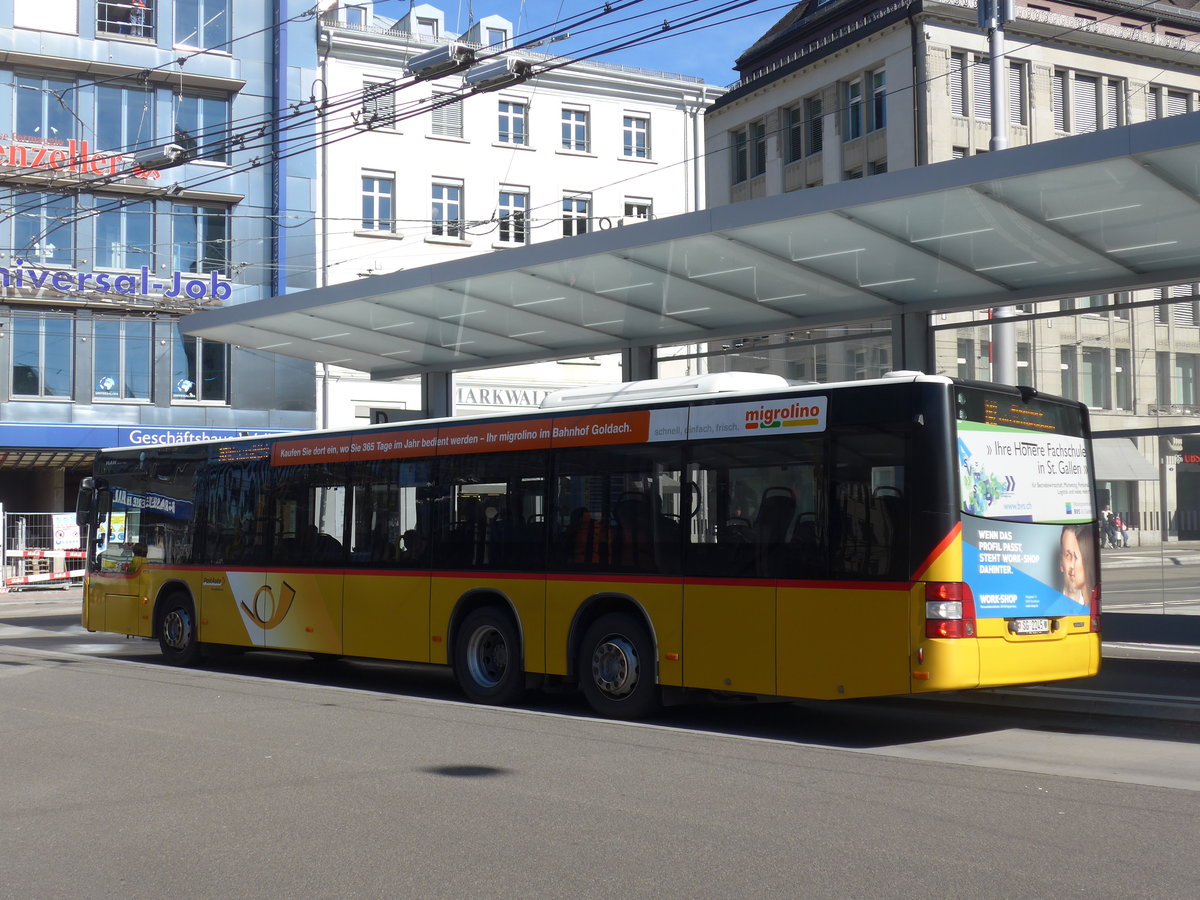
{"points": [[137, 18], [1120, 530], [1107, 531]]}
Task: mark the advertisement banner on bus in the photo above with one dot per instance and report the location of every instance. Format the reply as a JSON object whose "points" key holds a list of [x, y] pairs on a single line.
{"points": [[1018, 569], [1028, 547]]}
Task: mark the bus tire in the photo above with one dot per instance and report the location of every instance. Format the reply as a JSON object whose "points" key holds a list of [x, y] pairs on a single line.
{"points": [[176, 627], [616, 668], [487, 658]]}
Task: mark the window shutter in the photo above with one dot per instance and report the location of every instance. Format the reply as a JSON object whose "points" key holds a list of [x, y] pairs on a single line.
{"points": [[1177, 103], [816, 126], [379, 103], [1083, 95], [981, 86], [958, 92], [1016, 95], [1112, 104], [447, 120], [1060, 102]]}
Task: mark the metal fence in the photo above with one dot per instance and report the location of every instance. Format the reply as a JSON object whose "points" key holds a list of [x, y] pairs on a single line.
{"points": [[40, 548]]}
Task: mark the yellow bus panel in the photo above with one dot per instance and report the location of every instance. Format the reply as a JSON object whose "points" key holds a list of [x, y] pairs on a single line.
{"points": [[844, 640], [729, 637], [387, 616]]}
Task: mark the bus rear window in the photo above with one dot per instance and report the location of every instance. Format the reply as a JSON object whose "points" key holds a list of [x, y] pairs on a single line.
{"points": [[1022, 461]]}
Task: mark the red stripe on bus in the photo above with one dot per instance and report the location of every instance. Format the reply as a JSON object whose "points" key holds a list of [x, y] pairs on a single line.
{"points": [[937, 551]]}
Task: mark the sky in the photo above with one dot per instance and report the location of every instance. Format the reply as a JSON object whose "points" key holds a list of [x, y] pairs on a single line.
{"points": [[707, 53]]}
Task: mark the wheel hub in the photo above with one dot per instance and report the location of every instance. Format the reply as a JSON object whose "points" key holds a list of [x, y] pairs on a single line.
{"points": [[487, 656], [615, 667], [177, 629]]}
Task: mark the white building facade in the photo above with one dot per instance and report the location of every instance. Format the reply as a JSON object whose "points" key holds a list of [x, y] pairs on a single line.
{"points": [[423, 172]]}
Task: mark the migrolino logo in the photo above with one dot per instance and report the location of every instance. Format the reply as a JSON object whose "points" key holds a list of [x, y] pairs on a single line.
{"points": [[793, 415], [265, 612]]}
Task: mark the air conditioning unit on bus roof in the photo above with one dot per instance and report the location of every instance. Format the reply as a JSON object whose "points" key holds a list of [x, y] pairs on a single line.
{"points": [[659, 388]]}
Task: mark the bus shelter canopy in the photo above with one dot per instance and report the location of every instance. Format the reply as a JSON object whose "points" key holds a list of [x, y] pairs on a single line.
{"points": [[1112, 211]]}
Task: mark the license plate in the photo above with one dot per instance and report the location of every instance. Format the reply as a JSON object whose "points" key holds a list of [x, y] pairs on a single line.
{"points": [[1030, 626]]}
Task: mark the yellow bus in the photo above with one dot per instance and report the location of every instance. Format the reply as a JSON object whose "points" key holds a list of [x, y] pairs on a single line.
{"points": [[724, 533]]}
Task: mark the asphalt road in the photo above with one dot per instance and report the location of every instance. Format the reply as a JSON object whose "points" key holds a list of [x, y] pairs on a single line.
{"points": [[267, 775]]}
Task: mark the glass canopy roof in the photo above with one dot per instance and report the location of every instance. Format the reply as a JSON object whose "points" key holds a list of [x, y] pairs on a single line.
{"points": [[1112, 211]]}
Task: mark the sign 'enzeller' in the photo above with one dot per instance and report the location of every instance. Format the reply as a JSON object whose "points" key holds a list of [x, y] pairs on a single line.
{"points": [[72, 156]]}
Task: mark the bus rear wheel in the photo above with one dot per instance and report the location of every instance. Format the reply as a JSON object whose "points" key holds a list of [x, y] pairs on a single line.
{"points": [[176, 627], [487, 658], [616, 668]]}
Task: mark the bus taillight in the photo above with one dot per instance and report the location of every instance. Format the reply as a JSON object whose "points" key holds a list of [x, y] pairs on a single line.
{"points": [[949, 610], [1095, 609]]}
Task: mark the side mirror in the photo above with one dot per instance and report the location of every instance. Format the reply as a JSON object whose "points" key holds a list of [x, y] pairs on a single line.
{"points": [[85, 502]]}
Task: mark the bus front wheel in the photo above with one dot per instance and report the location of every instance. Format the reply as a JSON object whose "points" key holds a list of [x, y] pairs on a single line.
{"points": [[487, 658], [177, 636], [616, 668]]}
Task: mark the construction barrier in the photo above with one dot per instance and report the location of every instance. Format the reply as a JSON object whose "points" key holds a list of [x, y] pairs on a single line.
{"points": [[40, 548]]}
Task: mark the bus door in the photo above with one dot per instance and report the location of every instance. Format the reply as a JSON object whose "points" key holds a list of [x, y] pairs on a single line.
{"points": [[743, 509], [845, 622], [299, 604]]}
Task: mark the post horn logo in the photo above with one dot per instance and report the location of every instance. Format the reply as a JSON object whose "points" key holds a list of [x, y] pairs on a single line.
{"points": [[264, 610]]}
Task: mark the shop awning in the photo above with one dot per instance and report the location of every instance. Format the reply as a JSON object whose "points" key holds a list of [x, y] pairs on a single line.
{"points": [[1117, 210], [1117, 459]]}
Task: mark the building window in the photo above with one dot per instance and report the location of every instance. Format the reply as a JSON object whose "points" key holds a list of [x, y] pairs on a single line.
{"points": [[42, 355], [514, 123], [447, 209], [758, 149], [378, 202], [513, 208], [1086, 103], [816, 126], [354, 16], [639, 208], [1095, 378], [739, 161], [41, 115], [202, 127], [203, 24], [496, 38], [199, 370], [878, 167], [853, 174], [124, 234], [1018, 98], [576, 212], [123, 358], [201, 239], [981, 89], [878, 100], [45, 229], [854, 109], [795, 133], [575, 130], [958, 83], [447, 115], [1069, 364], [379, 104], [636, 137], [124, 118], [427, 28], [129, 17], [1124, 373]]}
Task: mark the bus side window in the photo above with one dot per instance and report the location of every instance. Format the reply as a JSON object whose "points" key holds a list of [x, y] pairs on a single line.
{"points": [[869, 527]]}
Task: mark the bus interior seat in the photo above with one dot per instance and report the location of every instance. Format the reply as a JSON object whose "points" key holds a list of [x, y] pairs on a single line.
{"points": [[776, 512], [634, 514]]}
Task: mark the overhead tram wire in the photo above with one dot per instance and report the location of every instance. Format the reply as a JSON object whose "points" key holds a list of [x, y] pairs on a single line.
{"points": [[354, 97]]}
